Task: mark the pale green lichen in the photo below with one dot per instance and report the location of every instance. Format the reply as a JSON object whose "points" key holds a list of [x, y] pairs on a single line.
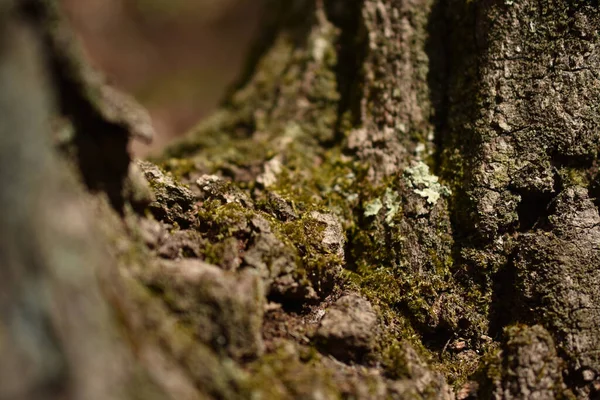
{"points": [[390, 199], [390, 202], [373, 208], [426, 184]]}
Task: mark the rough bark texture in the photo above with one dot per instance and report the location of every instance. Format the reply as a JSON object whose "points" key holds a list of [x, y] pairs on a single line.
{"points": [[299, 244]]}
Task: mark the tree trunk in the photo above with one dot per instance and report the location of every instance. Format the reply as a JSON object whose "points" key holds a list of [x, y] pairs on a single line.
{"points": [[299, 243]]}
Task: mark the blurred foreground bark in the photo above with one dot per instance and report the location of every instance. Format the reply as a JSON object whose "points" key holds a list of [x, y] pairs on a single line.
{"points": [[398, 200]]}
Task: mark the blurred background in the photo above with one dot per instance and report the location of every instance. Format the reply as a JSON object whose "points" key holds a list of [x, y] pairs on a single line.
{"points": [[177, 57]]}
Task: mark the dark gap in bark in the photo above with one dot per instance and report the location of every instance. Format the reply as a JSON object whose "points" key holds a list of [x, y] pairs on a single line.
{"points": [[505, 306], [454, 124], [349, 252], [339, 349], [574, 379], [352, 50], [580, 161], [101, 146], [155, 289], [438, 51], [435, 340], [533, 210], [291, 304]]}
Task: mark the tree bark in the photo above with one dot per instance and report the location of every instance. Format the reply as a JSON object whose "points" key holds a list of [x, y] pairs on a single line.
{"points": [[397, 200]]}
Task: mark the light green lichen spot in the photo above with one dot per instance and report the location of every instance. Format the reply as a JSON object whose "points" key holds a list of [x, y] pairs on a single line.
{"points": [[292, 131], [390, 202], [425, 183], [431, 195], [373, 208], [392, 205], [352, 197]]}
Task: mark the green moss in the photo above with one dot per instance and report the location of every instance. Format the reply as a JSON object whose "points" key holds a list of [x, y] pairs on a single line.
{"points": [[394, 360], [219, 221], [286, 374], [574, 177], [214, 132], [310, 181], [317, 262], [459, 371], [382, 270], [180, 168]]}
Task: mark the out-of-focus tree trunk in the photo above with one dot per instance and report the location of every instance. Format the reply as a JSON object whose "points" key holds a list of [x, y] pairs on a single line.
{"points": [[56, 336], [299, 244]]}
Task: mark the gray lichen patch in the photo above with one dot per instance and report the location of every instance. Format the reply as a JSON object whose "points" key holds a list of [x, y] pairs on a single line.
{"points": [[392, 204], [373, 207]]}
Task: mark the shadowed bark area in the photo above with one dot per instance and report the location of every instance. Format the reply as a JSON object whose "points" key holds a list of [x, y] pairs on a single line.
{"points": [[298, 244]]}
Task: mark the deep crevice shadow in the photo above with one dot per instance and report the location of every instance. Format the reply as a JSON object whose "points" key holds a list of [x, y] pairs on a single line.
{"points": [[505, 304], [438, 76], [352, 48], [100, 146], [533, 210]]}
